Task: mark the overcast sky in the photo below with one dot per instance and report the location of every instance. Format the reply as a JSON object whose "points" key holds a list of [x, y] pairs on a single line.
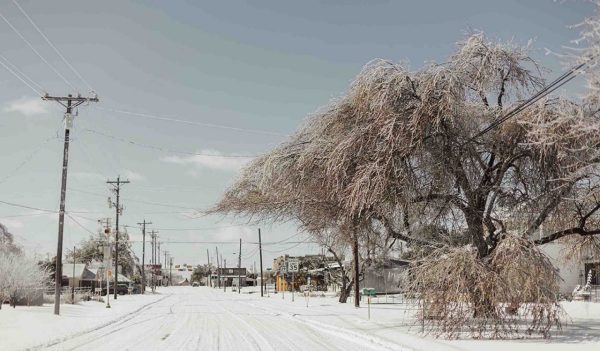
{"points": [[257, 67]]}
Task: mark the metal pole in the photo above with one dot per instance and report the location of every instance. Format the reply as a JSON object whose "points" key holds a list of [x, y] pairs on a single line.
{"points": [[225, 270], [107, 277]]}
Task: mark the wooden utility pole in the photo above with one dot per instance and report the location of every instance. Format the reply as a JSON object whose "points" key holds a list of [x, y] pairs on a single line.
{"points": [[118, 211], [261, 263], [153, 236], [167, 254], [218, 269], [208, 281], [68, 102], [143, 224], [171, 271], [73, 288], [240, 268]]}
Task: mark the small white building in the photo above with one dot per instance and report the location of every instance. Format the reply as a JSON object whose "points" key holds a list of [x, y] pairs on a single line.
{"points": [[572, 273]]}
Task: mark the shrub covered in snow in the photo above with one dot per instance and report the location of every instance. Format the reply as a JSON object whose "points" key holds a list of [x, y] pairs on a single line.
{"points": [[20, 277]]}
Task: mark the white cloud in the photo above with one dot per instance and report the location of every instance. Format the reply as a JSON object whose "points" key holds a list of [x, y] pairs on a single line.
{"points": [[211, 159], [96, 177], [27, 106], [133, 176]]}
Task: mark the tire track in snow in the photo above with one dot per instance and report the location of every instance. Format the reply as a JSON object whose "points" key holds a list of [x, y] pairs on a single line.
{"points": [[121, 319]]}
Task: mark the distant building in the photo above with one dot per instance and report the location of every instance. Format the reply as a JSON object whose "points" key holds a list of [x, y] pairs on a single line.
{"points": [[229, 276]]}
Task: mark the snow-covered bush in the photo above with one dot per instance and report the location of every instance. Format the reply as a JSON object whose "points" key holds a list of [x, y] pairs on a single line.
{"points": [[516, 288], [20, 277]]}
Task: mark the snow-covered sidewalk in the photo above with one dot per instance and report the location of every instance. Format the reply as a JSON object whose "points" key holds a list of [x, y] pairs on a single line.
{"points": [[37, 327], [391, 324]]}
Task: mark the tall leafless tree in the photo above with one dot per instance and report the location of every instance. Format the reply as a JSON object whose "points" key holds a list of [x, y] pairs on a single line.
{"points": [[400, 155]]}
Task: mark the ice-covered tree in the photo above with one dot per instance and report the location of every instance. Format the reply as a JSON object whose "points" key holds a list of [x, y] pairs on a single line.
{"points": [[92, 249], [20, 277], [401, 155], [7, 240]]}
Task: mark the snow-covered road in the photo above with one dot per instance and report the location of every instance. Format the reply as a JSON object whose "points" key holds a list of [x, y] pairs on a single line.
{"points": [[207, 319], [188, 318]]}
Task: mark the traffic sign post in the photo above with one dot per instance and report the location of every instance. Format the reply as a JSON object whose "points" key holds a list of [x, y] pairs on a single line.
{"points": [[292, 266], [282, 270], [368, 292], [108, 276]]}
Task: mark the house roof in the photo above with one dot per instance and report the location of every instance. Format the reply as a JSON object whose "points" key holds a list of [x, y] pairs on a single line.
{"points": [[84, 273], [80, 271]]}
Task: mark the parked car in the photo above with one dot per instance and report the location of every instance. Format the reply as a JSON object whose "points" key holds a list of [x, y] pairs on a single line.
{"points": [[195, 284], [122, 289]]}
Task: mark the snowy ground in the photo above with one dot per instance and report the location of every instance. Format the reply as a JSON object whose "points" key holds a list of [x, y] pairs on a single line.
{"points": [[188, 318]]}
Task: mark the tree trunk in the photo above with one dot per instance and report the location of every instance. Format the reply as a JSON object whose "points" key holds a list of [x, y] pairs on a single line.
{"points": [[345, 293], [475, 229], [356, 271]]}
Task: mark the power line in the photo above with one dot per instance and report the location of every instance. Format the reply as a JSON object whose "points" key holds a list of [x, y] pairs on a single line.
{"points": [[37, 52], [25, 161], [189, 229], [23, 215], [135, 200], [545, 91], [27, 207], [177, 120], [20, 78], [80, 225], [159, 148], [292, 247], [53, 46], [14, 67]]}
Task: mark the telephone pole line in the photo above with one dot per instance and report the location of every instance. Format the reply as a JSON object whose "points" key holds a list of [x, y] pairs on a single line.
{"points": [[209, 280], [153, 236], [166, 273], [261, 264], [143, 224], [163, 272], [218, 269], [118, 211], [68, 102], [240, 268], [170, 271]]}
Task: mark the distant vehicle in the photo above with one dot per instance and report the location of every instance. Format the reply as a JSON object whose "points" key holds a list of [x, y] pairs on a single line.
{"points": [[122, 289], [195, 284]]}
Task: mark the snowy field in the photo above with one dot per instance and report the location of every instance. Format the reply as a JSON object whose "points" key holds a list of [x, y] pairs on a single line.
{"points": [[188, 318]]}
